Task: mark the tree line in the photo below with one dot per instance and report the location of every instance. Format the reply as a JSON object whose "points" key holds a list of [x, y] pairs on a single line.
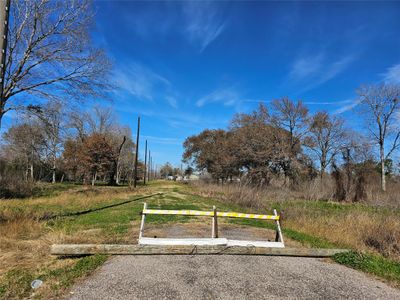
{"points": [[56, 145], [286, 141]]}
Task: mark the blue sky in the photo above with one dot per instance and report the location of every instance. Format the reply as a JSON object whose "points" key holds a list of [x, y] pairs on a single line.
{"points": [[187, 66]]}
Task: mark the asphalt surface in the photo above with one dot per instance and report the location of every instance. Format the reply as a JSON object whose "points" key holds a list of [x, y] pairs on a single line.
{"points": [[228, 277]]}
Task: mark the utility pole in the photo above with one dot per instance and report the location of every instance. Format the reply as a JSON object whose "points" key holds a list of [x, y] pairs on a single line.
{"points": [[149, 171], [137, 153], [4, 23], [145, 164]]}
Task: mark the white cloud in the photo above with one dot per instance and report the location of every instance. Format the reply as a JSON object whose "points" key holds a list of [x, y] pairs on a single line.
{"points": [[306, 67], [162, 140], [204, 22], [228, 97], [328, 102], [172, 101], [139, 81], [392, 74], [353, 103], [312, 71]]}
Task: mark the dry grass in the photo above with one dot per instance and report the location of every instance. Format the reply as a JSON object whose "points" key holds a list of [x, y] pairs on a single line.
{"points": [[360, 226], [25, 242]]}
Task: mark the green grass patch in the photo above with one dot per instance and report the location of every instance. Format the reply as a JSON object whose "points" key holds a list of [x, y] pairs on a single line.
{"points": [[66, 276], [16, 283], [371, 263]]}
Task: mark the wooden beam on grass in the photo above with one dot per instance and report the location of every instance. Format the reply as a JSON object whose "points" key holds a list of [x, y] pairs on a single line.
{"points": [[89, 249]]}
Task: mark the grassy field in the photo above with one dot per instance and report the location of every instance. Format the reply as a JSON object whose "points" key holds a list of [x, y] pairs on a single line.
{"points": [[28, 227]]}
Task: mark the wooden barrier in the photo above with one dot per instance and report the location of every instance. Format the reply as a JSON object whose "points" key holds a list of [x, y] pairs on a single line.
{"points": [[215, 239], [89, 249]]}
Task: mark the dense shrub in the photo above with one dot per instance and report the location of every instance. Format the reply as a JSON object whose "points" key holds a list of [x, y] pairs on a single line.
{"points": [[14, 187]]}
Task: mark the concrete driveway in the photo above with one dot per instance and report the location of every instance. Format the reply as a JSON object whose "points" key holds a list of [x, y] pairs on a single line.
{"points": [[228, 277]]}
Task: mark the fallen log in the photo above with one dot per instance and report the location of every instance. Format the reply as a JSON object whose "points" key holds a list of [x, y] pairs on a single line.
{"points": [[89, 249]]}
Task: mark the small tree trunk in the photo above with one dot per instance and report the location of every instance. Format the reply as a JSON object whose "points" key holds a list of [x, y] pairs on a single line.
{"points": [[31, 171], [118, 175], [94, 178], [54, 170], [383, 177]]}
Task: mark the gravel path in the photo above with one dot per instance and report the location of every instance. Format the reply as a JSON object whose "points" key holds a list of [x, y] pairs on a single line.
{"points": [[228, 277]]}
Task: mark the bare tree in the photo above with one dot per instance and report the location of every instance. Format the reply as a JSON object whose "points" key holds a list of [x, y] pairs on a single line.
{"points": [[52, 122], [381, 109], [24, 144], [326, 138], [101, 120], [50, 54], [291, 116]]}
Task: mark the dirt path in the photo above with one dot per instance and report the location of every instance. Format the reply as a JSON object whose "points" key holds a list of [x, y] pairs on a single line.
{"points": [[228, 277]]}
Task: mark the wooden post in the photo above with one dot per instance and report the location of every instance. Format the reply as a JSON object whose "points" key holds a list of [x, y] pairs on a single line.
{"points": [[149, 166], [145, 164], [214, 231], [278, 237], [137, 153], [88, 249], [141, 232]]}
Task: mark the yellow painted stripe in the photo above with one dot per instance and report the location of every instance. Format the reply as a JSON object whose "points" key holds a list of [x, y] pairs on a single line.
{"points": [[246, 216], [208, 213], [178, 212]]}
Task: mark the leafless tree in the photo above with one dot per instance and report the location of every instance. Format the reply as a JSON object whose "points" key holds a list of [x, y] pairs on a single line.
{"points": [[52, 122], [101, 120], [291, 116], [381, 110], [326, 138], [50, 54], [24, 145]]}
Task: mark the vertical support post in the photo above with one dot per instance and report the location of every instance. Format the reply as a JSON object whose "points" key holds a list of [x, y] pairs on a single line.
{"points": [[149, 165], [141, 232], [278, 237], [137, 152], [4, 24], [214, 230], [145, 164]]}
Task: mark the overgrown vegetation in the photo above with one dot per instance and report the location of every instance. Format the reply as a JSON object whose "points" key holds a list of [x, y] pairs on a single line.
{"points": [[357, 226], [283, 145], [25, 241]]}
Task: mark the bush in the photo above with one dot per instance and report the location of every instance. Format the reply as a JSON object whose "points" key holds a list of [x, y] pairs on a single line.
{"points": [[15, 187]]}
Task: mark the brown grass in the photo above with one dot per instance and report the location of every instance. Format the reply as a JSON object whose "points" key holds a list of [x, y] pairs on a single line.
{"points": [[25, 242], [362, 226]]}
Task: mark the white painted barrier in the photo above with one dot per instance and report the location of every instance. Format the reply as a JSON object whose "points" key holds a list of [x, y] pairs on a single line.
{"points": [[214, 240]]}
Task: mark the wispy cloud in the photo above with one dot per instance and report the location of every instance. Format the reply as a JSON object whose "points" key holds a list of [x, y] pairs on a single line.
{"points": [[328, 102], [172, 101], [163, 140], [392, 74], [228, 97], [139, 81], [305, 67], [351, 104], [204, 22], [312, 71]]}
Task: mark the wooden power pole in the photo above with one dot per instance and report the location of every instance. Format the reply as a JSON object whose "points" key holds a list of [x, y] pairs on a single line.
{"points": [[149, 165], [137, 153], [145, 164], [4, 20]]}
